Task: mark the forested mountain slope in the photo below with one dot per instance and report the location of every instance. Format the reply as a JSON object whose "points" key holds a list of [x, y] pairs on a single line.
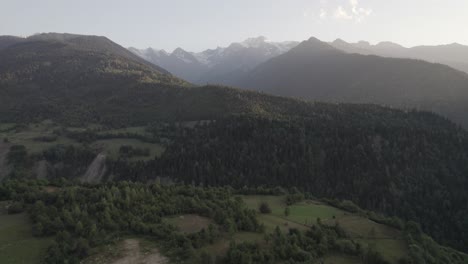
{"points": [[315, 70], [83, 79], [412, 165]]}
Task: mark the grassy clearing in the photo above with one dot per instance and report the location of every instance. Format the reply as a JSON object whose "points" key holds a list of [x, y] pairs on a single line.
{"points": [[386, 240], [392, 249], [302, 215], [17, 245], [189, 223], [308, 212], [4, 127], [132, 130], [29, 136], [111, 147], [32, 137], [341, 259], [360, 227]]}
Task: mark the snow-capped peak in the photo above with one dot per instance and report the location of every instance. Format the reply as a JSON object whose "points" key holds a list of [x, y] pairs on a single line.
{"points": [[184, 56], [254, 42]]}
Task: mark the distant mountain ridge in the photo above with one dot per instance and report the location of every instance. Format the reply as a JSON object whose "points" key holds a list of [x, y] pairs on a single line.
{"points": [[222, 65], [315, 70], [454, 55], [83, 42]]}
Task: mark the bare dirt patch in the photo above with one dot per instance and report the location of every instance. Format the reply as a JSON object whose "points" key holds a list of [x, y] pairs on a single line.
{"points": [[96, 170], [129, 251], [132, 254], [51, 189]]}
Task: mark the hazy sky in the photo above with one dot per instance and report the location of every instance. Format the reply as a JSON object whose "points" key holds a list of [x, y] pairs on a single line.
{"points": [[199, 24]]}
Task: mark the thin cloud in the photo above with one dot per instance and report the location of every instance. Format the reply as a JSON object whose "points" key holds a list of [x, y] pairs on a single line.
{"points": [[341, 13], [323, 14], [352, 11]]}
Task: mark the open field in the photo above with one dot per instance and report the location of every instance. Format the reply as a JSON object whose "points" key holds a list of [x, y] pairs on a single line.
{"points": [[16, 239], [30, 136], [132, 130], [386, 240], [341, 259], [111, 147], [302, 215], [391, 249], [4, 127]]}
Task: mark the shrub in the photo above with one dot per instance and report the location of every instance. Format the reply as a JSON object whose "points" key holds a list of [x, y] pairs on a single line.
{"points": [[264, 208]]}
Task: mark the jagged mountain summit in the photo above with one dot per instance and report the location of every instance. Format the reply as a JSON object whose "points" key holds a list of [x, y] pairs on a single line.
{"points": [[222, 65]]}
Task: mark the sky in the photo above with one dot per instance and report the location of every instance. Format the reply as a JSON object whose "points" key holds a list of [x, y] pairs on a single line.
{"points": [[196, 25]]}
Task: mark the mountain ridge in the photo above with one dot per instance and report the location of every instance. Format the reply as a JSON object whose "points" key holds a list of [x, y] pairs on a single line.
{"points": [[217, 66], [315, 70], [454, 55]]}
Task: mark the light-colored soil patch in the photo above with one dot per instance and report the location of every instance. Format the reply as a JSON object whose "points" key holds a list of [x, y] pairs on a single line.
{"points": [[190, 223], [132, 254], [51, 189], [128, 251], [96, 170]]}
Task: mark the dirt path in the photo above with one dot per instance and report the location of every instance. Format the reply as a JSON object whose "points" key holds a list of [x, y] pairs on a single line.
{"points": [[132, 254]]}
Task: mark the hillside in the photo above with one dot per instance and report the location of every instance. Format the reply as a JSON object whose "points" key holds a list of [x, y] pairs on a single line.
{"points": [[149, 223], [70, 78], [317, 71]]}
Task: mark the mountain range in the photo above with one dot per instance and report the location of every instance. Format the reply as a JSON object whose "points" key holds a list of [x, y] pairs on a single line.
{"points": [[223, 65]]}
